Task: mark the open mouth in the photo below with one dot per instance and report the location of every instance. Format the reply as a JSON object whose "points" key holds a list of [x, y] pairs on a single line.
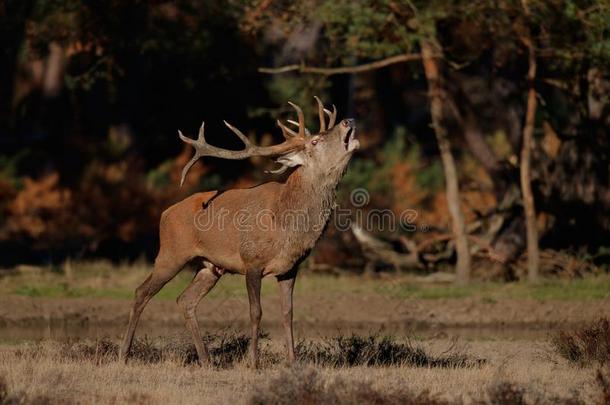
{"points": [[349, 141]]}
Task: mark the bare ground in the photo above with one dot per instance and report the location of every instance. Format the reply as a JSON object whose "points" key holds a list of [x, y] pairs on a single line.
{"points": [[313, 315]]}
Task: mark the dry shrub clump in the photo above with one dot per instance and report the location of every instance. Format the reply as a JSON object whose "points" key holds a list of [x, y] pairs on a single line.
{"points": [[301, 387], [342, 351], [226, 351], [603, 382], [506, 393], [100, 351], [585, 346], [19, 398]]}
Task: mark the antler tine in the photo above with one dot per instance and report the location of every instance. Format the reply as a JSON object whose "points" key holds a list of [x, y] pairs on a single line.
{"points": [[332, 116], [240, 134], [321, 110], [301, 117], [287, 132], [296, 124], [193, 143], [201, 134]]}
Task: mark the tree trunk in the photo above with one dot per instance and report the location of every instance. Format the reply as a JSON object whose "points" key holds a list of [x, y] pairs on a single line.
{"points": [[13, 18], [54, 70], [430, 52], [533, 255]]}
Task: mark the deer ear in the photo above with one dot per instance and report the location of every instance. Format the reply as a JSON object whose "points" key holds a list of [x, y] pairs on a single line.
{"points": [[292, 159]]}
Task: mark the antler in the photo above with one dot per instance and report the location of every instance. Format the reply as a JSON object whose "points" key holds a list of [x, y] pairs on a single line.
{"points": [[331, 115], [293, 142]]}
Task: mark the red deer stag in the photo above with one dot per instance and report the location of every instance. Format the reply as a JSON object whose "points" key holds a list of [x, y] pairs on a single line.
{"points": [[260, 231]]}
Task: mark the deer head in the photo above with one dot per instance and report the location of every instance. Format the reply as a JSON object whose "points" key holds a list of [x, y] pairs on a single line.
{"points": [[322, 153]]}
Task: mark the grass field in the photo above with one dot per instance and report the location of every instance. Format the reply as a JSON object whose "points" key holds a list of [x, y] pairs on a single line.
{"points": [[59, 330], [100, 279]]}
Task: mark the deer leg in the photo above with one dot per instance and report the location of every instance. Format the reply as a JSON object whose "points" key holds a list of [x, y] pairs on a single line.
{"points": [[162, 273], [203, 282], [253, 284], [286, 285]]}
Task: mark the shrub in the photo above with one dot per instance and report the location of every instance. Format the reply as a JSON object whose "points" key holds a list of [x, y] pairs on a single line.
{"points": [[307, 386], [99, 351], [226, 350], [342, 351], [506, 393], [584, 346], [603, 383]]}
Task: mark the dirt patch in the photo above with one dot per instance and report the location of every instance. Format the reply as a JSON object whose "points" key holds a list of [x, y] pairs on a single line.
{"points": [[314, 316]]}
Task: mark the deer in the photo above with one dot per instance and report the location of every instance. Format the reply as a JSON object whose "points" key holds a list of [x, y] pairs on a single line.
{"points": [[266, 230]]}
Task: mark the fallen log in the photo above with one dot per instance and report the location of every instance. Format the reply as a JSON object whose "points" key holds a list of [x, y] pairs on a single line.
{"points": [[379, 252], [411, 255]]}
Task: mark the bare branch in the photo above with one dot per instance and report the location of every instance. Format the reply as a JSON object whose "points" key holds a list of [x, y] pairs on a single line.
{"points": [[302, 68]]}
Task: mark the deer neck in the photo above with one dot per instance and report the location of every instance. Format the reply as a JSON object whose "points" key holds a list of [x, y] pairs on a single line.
{"points": [[306, 190], [304, 208]]}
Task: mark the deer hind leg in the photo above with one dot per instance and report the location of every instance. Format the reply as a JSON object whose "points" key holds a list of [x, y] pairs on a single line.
{"points": [[253, 284], [203, 282], [286, 283], [162, 273]]}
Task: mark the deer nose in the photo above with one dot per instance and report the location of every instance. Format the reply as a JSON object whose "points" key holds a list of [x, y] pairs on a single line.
{"points": [[349, 123]]}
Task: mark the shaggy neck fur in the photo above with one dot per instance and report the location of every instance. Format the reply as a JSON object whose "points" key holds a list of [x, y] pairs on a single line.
{"points": [[305, 206]]}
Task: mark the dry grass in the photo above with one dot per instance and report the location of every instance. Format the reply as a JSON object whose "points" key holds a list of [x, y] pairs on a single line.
{"points": [[85, 372], [588, 345]]}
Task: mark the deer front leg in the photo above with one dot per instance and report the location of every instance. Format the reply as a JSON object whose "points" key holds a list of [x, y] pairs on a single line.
{"points": [[253, 284], [286, 284]]}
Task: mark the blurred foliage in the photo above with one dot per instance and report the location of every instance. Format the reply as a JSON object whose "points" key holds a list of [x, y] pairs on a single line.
{"points": [[399, 178], [297, 89], [364, 30], [89, 166], [41, 211]]}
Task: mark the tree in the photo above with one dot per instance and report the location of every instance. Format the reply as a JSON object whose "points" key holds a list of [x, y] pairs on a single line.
{"points": [[430, 54], [533, 254]]}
